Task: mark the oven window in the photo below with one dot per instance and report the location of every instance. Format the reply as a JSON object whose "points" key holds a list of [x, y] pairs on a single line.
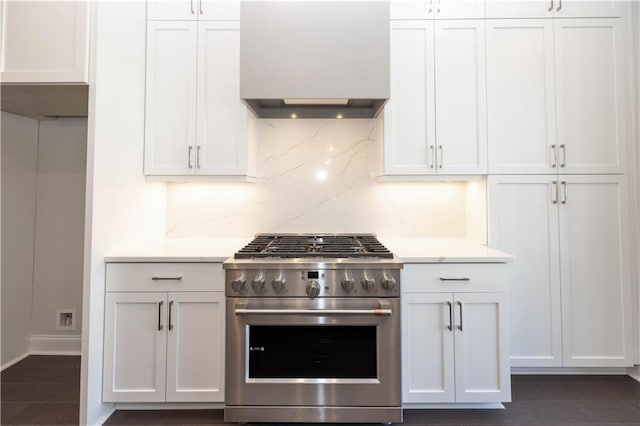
{"points": [[305, 352]]}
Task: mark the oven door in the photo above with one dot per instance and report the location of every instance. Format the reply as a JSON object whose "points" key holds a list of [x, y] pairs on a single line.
{"points": [[321, 352]]}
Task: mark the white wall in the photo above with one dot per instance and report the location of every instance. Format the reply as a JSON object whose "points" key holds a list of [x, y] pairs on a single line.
{"points": [[59, 229], [19, 158], [121, 207], [319, 176]]}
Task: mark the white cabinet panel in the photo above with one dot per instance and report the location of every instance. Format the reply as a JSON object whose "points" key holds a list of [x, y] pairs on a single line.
{"points": [[170, 125], [45, 42], [460, 97], [219, 10], [590, 97], [596, 300], [521, 96], [482, 348], [553, 9], [436, 9], [427, 352], [192, 10], [409, 118], [524, 222], [134, 347], [222, 140], [195, 353], [588, 8]]}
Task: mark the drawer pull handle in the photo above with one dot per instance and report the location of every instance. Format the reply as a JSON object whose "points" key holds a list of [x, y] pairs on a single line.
{"points": [[167, 278], [455, 279]]}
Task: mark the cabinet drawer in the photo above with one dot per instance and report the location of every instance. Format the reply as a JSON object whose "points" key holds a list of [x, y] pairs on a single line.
{"points": [[165, 277], [455, 277]]}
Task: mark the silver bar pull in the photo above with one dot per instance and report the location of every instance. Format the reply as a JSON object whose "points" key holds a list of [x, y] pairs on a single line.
{"points": [[554, 163], [438, 11], [460, 305], [440, 149], [198, 156], [550, 6], [430, 6], [178, 278], [190, 149], [450, 326], [170, 307], [160, 327], [318, 312], [431, 148], [564, 155], [192, 11], [559, 6], [554, 192], [564, 190], [201, 7], [455, 279]]}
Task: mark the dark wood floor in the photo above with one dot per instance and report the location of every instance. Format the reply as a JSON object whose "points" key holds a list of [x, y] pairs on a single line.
{"points": [[44, 390]]}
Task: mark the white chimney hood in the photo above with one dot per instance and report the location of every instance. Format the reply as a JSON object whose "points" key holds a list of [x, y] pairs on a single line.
{"points": [[314, 59]]}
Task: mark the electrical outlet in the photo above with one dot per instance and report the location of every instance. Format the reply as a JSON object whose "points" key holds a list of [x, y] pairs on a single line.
{"points": [[65, 319]]}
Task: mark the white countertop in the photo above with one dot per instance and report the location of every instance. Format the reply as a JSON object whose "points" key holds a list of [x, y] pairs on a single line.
{"points": [[409, 250]]}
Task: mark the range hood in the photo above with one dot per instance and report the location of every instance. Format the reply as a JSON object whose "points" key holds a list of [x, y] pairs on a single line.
{"points": [[314, 59]]}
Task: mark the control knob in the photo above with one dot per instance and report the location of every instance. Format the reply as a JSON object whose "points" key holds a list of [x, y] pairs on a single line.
{"points": [[313, 289], [348, 283], [238, 283], [278, 283], [388, 282], [368, 282], [258, 283]]}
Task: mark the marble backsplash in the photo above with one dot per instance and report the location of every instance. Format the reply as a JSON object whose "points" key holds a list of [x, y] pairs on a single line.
{"points": [[318, 176]]}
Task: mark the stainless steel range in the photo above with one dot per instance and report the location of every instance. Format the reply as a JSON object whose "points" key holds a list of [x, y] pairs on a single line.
{"points": [[313, 330]]}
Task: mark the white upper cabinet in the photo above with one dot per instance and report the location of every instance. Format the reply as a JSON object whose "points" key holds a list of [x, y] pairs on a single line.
{"points": [[437, 82], [45, 42], [193, 10], [553, 9], [556, 96], [436, 9], [590, 84]]}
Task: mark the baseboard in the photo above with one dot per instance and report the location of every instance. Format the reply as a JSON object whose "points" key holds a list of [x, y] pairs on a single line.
{"points": [[14, 361], [634, 372], [53, 344], [456, 406], [168, 406], [570, 370]]}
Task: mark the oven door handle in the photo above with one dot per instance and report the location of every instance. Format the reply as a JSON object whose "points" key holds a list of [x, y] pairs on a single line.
{"points": [[241, 309]]}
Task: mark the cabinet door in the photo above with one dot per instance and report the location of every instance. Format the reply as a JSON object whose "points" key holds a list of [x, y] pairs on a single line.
{"points": [[170, 127], [409, 117], [523, 213], [482, 366], [227, 10], [222, 116], [45, 42], [588, 8], [195, 349], [596, 296], [180, 10], [460, 85], [520, 8], [458, 9], [427, 348], [411, 9], [135, 341], [590, 95], [521, 109]]}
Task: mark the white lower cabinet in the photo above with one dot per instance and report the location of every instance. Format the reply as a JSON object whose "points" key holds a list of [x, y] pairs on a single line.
{"points": [[455, 345], [164, 346]]}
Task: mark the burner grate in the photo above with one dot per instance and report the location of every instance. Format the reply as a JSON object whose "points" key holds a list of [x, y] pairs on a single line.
{"points": [[323, 246]]}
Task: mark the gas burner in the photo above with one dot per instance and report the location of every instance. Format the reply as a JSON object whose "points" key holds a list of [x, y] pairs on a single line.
{"points": [[317, 246]]}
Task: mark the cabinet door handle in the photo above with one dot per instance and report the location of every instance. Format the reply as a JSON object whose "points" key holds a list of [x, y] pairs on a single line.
{"points": [[179, 278], [170, 307], [198, 156], [192, 11], [550, 6], [554, 192], [160, 327], [438, 11], [201, 7], [190, 149], [564, 191], [564, 155], [440, 149], [554, 163], [431, 148], [559, 5], [430, 6], [450, 326], [455, 279], [460, 305]]}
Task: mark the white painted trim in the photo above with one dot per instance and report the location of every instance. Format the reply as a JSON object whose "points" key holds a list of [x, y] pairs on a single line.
{"points": [[457, 406], [14, 361], [570, 370], [102, 419], [634, 372], [52, 344], [168, 406]]}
